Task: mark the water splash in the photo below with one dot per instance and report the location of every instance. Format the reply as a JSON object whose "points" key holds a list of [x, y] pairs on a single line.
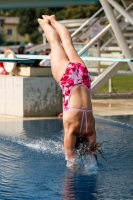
{"points": [[40, 145], [83, 164]]}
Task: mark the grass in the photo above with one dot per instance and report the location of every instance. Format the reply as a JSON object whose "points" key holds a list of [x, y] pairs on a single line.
{"points": [[124, 68], [119, 84]]}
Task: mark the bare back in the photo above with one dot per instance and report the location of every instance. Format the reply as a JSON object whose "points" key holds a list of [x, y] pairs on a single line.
{"points": [[80, 98]]}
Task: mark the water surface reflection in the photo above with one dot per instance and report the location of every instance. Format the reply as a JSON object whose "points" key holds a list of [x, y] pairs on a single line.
{"points": [[32, 164], [79, 187]]}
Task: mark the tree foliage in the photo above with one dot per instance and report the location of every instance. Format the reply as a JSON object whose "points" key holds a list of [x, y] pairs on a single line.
{"points": [[28, 24], [28, 17], [77, 12], [1, 39]]}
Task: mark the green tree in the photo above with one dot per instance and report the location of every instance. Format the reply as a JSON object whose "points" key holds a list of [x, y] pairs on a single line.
{"points": [[77, 12], [1, 39], [28, 24], [28, 17], [1, 34]]}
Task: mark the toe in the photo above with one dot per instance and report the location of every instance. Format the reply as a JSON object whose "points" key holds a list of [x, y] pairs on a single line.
{"points": [[39, 20]]}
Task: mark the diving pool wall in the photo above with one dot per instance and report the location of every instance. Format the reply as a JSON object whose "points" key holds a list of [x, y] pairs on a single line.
{"points": [[29, 96]]}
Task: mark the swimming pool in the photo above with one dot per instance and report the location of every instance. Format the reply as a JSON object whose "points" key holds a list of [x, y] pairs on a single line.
{"points": [[32, 164]]}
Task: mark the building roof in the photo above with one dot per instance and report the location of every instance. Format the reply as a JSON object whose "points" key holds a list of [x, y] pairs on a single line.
{"points": [[10, 20]]}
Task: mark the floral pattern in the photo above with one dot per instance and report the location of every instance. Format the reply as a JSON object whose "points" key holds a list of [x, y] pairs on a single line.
{"points": [[76, 73]]}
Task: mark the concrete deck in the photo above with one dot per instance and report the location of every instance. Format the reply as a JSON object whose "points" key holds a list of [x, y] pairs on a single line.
{"points": [[102, 107], [112, 107]]}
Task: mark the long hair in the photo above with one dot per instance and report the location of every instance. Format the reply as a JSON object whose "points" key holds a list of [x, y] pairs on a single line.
{"points": [[82, 147]]}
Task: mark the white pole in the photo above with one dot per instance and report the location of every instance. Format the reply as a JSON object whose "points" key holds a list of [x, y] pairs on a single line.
{"points": [[121, 10], [117, 31], [109, 41], [98, 49], [123, 2], [44, 38], [85, 23], [99, 35], [110, 85]]}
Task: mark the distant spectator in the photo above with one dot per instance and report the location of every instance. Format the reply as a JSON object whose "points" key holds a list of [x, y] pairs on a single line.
{"points": [[32, 53], [1, 64], [2, 70], [45, 62], [21, 49], [46, 52]]}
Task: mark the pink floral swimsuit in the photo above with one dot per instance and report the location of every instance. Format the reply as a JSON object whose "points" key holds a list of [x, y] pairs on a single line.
{"points": [[76, 74]]}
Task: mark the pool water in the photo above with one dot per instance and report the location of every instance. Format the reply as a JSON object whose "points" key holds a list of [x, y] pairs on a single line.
{"points": [[33, 165]]}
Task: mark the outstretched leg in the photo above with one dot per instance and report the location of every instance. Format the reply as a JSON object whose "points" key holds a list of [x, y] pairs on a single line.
{"points": [[59, 63], [65, 39], [58, 57]]}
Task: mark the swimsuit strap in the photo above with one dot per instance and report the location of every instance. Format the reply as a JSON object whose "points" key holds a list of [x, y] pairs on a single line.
{"points": [[86, 122], [84, 115]]}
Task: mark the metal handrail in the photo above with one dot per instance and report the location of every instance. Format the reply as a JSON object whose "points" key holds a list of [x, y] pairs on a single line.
{"points": [[87, 28], [85, 23], [109, 41], [96, 38]]}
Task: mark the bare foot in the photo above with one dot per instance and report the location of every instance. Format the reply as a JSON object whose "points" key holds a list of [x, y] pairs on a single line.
{"points": [[51, 18], [43, 21]]}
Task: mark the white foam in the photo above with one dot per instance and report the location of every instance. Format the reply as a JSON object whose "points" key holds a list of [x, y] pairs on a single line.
{"points": [[48, 146], [85, 164], [40, 145]]}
